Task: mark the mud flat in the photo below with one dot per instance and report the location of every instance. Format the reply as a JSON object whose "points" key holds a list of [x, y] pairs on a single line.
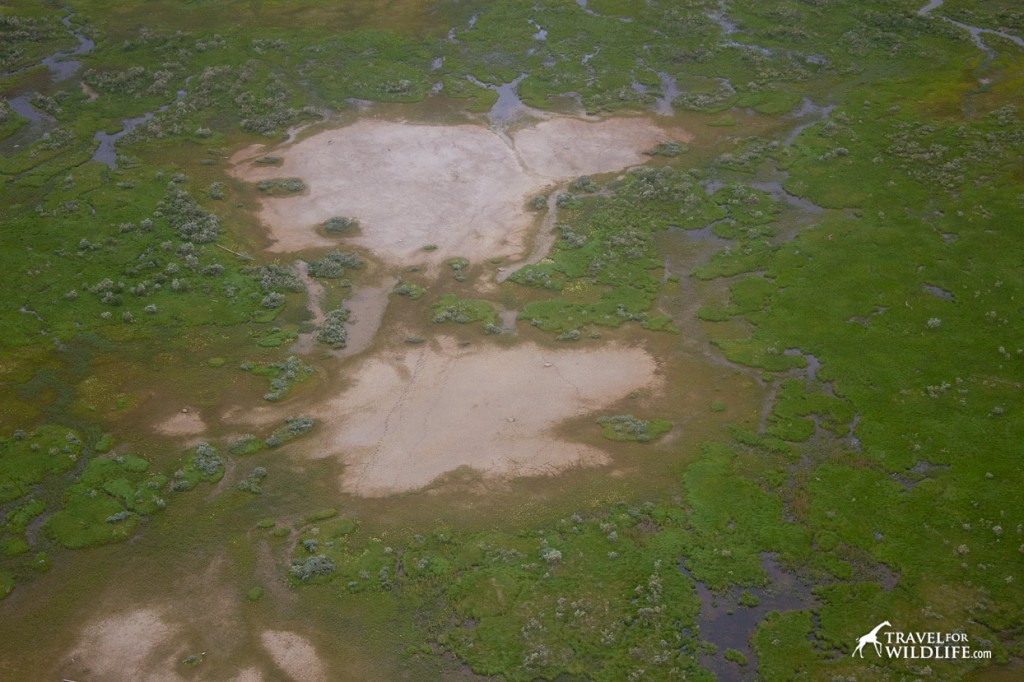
{"points": [[293, 654], [129, 646], [461, 189], [415, 413], [185, 423]]}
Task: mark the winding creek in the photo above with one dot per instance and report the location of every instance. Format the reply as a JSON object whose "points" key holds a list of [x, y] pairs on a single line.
{"points": [[975, 31], [61, 67], [724, 620], [105, 152]]}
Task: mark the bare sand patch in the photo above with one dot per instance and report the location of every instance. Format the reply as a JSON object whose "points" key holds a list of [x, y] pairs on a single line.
{"points": [[568, 148], [247, 153], [293, 654], [137, 645], [416, 413], [462, 188], [89, 92], [182, 424]]}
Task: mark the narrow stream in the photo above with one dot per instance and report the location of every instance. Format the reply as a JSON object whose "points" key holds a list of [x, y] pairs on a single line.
{"points": [[773, 188], [39, 122], [975, 31], [703, 243], [452, 31], [544, 240], [583, 5], [669, 91], [728, 28], [60, 68], [105, 152], [813, 113]]}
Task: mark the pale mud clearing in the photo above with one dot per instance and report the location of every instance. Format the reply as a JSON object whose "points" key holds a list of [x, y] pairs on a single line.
{"points": [[564, 148], [366, 305], [416, 413], [293, 654], [137, 645], [205, 621], [184, 423], [144, 645], [462, 188]]}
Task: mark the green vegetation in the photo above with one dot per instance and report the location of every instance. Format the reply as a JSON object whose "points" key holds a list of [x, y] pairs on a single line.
{"points": [[458, 266], [333, 265], [603, 591], [339, 225], [46, 476], [6, 583], [626, 427], [281, 186], [206, 464], [105, 504], [332, 331], [251, 483], [450, 308], [293, 428], [411, 290], [283, 375], [26, 459], [604, 268], [276, 337], [246, 445]]}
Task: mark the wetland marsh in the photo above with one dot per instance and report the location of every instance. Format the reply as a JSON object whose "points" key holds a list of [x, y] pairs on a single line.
{"points": [[519, 341]]}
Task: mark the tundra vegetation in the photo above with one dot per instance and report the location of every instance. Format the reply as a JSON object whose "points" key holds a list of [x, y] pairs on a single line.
{"points": [[855, 188]]}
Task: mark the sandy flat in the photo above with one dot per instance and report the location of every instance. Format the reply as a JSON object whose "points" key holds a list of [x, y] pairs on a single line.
{"points": [[416, 413], [293, 654], [135, 645], [182, 424], [151, 642], [564, 148], [461, 188]]}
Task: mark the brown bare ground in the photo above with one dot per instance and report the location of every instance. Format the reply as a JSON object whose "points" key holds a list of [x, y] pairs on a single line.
{"points": [[563, 148], [416, 413], [462, 188], [137, 645], [294, 655], [182, 424]]}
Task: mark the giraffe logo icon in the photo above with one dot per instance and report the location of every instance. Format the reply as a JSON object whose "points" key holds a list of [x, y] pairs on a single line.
{"points": [[871, 638]]}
